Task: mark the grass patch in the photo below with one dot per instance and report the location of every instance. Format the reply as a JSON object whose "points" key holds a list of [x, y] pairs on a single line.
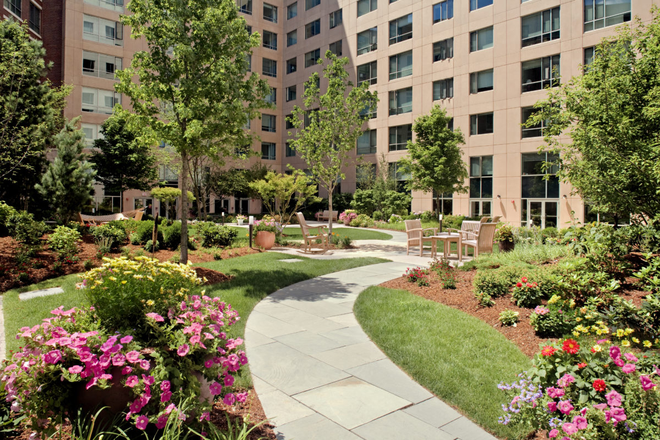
{"points": [[523, 253], [456, 356], [401, 226], [294, 233]]}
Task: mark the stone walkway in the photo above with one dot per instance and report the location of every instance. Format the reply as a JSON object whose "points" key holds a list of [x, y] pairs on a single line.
{"points": [[319, 377]]}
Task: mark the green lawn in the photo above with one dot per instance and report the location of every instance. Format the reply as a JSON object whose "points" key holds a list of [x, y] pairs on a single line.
{"points": [[456, 356], [401, 226], [294, 233], [255, 277]]}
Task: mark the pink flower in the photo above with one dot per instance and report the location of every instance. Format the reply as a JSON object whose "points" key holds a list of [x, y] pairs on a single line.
{"points": [[569, 428], [601, 406], [141, 423], [229, 399], [647, 384], [631, 357], [155, 316], [565, 380], [619, 362], [165, 396], [118, 360], [554, 393], [615, 352], [613, 398], [241, 397], [144, 364], [553, 433], [208, 363], [552, 406], [183, 305], [132, 381], [76, 369], [161, 422], [133, 356], [126, 339], [615, 414], [565, 406], [580, 422], [183, 350], [53, 357], [629, 368], [171, 407], [165, 385], [148, 380], [215, 388], [126, 370], [195, 340], [229, 380]]}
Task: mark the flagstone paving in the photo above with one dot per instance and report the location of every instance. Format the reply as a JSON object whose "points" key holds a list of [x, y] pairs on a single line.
{"points": [[319, 376]]}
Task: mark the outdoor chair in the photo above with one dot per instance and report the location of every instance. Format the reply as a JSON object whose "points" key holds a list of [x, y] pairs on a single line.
{"points": [[310, 240], [482, 241], [415, 234], [469, 227]]}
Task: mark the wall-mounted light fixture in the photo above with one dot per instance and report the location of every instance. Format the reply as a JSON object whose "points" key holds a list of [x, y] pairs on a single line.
{"points": [[564, 197], [498, 196]]}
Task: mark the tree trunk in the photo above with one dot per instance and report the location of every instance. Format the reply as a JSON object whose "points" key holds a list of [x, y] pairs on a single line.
{"points": [[121, 201], [330, 211], [184, 208]]}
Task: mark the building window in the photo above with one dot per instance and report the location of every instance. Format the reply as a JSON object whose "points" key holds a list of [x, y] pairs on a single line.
{"points": [[589, 53], [443, 89], [369, 112], [367, 41], [249, 61], [99, 101], [336, 18], [540, 73], [312, 57], [291, 65], [478, 4], [288, 122], [535, 130], [601, 13], [399, 176], [270, 40], [14, 6], [401, 29], [336, 48], [115, 5], [401, 101], [35, 18], [309, 4], [443, 11], [481, 39], [481, 124], [270, 13], [245, 6], [292, 11], [399, 137], [268, 123], [366, 6], [368, 72], [100, 65], [292, 38], [443, 50], [272, 96], [540, 27], [366, 143], [268, 151], [102, 30], [249, 29], [248, 123], [289, 152], [539, 180], [481, 81], [401, 65], [269, 68], [481, 185], [313, 28], [290, 93], [446, 201], [92, 133]]}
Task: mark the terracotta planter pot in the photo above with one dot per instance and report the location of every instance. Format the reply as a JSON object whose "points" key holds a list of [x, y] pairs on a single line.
{"points": [[506, 246], [265, 239]]}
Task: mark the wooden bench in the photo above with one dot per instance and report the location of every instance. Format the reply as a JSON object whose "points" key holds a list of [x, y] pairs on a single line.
{"points": [[325, 215]]}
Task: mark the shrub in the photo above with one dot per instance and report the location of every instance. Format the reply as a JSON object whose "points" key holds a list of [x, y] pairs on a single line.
{"points": [[6, 211], [362, 221], [172, 235], [509, 318], [82, 229], [88, 265], [64, 241], [428, 216], [145, 232], [25, 229], [345, 242], [151, 247], [395, 219], [526, 294], [504, 233], [24, 277], [649, 276], [415, 274], [129, 225], [109, 237], [484, 299], [213, 235], [377, 216], [348, 215], [497, 282], [452, 221], [552, 321]]}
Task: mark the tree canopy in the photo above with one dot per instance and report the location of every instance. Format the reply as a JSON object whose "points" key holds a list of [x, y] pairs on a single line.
{"points": [[122, 162], [330, 123], [30, 112], [435, 158], [611, 115], [285, 194], [193, 89]]}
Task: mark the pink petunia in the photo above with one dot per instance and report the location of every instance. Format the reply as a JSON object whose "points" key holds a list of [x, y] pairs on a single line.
{"points": [[148, 380], [155, 316], [552, 406], [553, 433], [616, 415], [229, 399], [126, 370], [126, 339], [171, 407], [133, 356], [241, 397], [183, 350], [613, 398], [142, 422], [565, 380], [208, 363], [132, 381], [118, 360], [565, 406], [629, 368], [165, 396], [580, 422], [53, 357], [647, 384], [229, 380], [165, 385], [569, 428], [161, 422], [144, 364], [630, 357], [215, 388], [76, 369], [205, 416]]}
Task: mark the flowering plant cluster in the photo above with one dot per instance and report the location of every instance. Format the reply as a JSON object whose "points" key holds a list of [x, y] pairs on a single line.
{"points": [[395, 218], [445, 273], [417, 275], [241, 217], [526, 293], [178, 350], [584, 391], [347, 216], [264, 225], [554, 320]]}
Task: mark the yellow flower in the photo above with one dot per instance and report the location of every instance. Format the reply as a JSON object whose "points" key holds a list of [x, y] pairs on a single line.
{"points": [[150, 302], [647, 344], [596, 348], [625, 343], [123, 282], [635, 340], [576, 334], [619, 333], [628, 331], [583, 310], [112, 279], [578, 319]]}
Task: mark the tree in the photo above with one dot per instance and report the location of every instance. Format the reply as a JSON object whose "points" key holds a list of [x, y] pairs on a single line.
{"points": [[435, 158], [122, 162], [611, 115], [235, 182], [68, 183], [193, 91], [169, 195], [285, 194], [330, 124], [30, 112]]}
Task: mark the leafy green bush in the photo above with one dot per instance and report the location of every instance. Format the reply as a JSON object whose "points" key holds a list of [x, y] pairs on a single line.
{"points": [[377, 216], [172, 235], [213, 235], [150, 246], [64, 241], [362, 221], [110, 236], [509, 318], [484, 299], [526, 293], [649, 276], [145, 231], [452, 221], [553, 321], [497, 282], [25, 229], [6, 211]]}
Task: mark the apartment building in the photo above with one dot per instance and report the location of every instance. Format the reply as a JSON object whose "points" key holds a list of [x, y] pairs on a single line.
{"points": [[486, 61]]}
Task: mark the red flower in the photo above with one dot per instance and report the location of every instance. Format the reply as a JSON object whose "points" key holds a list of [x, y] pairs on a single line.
{"points": [[518, 284], [582, 365], [523, 279], [548, 350], [599, 385], [570, 346]]}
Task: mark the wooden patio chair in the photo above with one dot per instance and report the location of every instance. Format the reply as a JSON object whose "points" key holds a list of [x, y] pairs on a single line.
{"points": [[415, 234], [482, 241], [310, 240]]}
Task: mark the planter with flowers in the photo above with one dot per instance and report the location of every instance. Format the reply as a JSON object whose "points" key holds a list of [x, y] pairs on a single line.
{"points": [[504, 236], [347, 216], [240, 218], [264, 233]]}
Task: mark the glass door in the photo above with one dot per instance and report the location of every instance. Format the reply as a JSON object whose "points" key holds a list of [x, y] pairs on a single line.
{"points": [[542, 213]]}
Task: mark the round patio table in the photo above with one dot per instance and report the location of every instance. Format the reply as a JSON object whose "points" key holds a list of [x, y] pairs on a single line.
{"points": [[447, 238]]}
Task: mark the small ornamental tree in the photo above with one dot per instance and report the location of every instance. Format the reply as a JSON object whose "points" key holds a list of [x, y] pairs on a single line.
{"points": [[284, 194], [330, 123], [168, 196], [434, 159], [68, 182], [121, 161]]}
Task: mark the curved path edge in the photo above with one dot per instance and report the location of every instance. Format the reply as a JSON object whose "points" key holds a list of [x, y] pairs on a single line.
{"points": [[319, 376]]}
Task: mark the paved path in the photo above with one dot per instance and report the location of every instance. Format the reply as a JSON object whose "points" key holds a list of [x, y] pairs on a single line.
{"points": [[319, 377]]}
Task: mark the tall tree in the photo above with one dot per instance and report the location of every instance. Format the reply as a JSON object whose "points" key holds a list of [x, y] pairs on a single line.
{"points": [[122, 162], [193, 90], [284, 194], [30, 112], [435, 158], [68, 183], [330, 123], [611, 115]]}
